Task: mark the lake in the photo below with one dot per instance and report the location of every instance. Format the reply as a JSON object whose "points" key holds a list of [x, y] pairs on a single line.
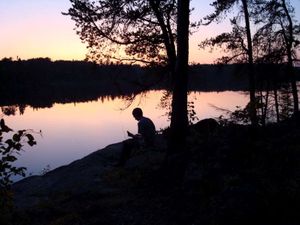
{"points": [[72, 131]]}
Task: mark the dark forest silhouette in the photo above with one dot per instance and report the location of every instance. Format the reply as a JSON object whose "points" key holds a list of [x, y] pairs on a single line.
{"points": [[41, 82]]}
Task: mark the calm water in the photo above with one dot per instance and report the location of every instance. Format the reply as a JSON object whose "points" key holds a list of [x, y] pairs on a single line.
{"points": [[72, 131]]}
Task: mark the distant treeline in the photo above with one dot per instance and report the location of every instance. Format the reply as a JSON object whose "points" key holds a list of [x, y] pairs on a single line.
{"points": [[41, 82], [43, 72], [234, 76]]}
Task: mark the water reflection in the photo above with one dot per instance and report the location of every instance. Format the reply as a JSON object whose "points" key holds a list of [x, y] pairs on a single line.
{"points": [[71, 131]]}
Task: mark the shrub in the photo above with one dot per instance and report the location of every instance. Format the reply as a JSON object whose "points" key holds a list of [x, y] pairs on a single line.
{"points": [[9, 149]]}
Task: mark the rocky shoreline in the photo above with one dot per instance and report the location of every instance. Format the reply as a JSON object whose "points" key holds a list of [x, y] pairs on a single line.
{"points": [[81, 176]]}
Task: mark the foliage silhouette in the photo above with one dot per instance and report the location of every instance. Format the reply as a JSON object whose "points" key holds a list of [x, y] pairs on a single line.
{"points": [[239, 42], [142, 30], [274, 42], [277, 39], [9, 149]]}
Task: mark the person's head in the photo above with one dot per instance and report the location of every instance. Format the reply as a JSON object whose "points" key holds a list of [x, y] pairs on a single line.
{"points": [[137, 113]]}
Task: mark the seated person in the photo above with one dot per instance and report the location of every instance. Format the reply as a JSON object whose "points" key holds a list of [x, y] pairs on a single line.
{"points": [[145, 136]]}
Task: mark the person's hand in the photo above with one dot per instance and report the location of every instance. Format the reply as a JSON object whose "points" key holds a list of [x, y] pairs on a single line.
{"points": [[130, 134]]}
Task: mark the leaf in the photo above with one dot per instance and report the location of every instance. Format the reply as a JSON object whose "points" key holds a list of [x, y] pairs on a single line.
{"points": [[4, 128], [30, 137], [9, 142], [31, 142], [11, 158], [16, 137], [21, 132], [18, 146], [7, 150]]}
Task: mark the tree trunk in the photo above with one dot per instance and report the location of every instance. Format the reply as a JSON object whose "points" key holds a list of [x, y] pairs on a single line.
{"points": [[294, 90], [179, 119], [177, 156], [167, 36], [253, 114], [276, 102], [289, 43], [292, 79], [265, 106]]}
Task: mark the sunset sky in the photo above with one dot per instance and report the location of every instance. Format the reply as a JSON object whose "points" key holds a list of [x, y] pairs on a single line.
{"points": [[36, 28]]}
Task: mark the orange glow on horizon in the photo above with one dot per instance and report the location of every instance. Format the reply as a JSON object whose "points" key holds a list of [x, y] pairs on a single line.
{"points": [[33, 29], [38, 29]]}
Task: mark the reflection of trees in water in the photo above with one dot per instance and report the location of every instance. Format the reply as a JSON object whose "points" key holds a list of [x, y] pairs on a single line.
{"points": [[41, 83], [47, 102], [11, 105], [274, 102]]}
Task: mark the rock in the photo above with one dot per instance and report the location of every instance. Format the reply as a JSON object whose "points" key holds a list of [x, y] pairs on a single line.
{"points": [[91, 174], [84, 175], [206, 126]]}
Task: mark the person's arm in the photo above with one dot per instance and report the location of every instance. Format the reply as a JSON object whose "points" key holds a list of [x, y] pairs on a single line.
{"points": [[133, 135], [130, 134]]}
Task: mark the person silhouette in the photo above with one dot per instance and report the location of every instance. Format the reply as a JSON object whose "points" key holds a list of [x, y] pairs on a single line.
{"points": [[144, 138]]}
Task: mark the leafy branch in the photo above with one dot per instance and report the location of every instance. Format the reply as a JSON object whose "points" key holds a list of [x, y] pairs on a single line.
{"points": [[9, 148]]}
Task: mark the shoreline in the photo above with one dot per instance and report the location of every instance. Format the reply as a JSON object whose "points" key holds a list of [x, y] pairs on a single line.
{"points": [[233, 176], [28, 190], [84, 175]]}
